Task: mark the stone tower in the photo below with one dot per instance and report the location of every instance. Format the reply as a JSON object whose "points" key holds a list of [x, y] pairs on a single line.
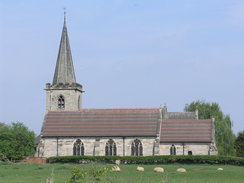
{"points": [[64, 93]]}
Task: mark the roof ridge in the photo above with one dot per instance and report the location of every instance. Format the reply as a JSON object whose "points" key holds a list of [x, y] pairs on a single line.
{"points": [[106, 109]]}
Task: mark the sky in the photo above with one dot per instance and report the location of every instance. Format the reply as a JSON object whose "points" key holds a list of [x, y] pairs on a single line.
{"points": [[126, 53]]}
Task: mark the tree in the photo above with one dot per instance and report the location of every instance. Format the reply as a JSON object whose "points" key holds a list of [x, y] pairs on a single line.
{"points": [[239, 144], [16, 141], [2, 124], [223, 126]]}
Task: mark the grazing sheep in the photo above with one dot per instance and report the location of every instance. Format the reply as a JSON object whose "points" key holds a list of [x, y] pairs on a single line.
{"points": [[158, 169], [181, 170], [116, 169], [220, 169], [140, 169]]}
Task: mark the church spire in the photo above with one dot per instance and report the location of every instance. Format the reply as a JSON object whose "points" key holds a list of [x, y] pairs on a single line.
{"points": [[64, 71]]}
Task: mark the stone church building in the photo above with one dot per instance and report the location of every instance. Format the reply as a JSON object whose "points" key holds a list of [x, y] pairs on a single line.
{"points": [[68, 129]]}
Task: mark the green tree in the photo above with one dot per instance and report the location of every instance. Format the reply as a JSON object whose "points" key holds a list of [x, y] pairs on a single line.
{"points": [[16, 141], [224, 135], [2, 124], [239, 144]]}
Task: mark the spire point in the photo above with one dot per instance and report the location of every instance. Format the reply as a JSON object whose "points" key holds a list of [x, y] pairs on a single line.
{"points": [[64, 71], [64, 15]]}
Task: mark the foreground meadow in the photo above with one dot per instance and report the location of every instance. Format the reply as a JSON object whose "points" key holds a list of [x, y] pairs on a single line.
{"points": [[201, 173]]}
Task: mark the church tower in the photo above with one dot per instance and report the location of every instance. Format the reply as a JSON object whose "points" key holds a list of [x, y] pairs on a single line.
{"points": [[64, 93]]}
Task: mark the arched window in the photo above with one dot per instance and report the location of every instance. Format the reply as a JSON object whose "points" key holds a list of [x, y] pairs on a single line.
{"points": [[110, 148], [136, 148], [172, 150], [78, 148], [61, 102], [189, 153]]}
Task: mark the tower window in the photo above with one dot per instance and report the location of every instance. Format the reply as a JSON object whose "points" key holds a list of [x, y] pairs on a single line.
{"points": [[172, 150], [61, 102], [78, 148], [110, 148], [136, 148]]}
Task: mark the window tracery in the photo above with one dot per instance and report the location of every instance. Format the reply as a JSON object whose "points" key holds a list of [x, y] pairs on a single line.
{"points": [[110, 148], [136, 148], [172, 150], [61, 102], [78, 148]]}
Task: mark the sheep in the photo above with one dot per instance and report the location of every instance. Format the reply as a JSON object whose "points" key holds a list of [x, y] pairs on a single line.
{"points": [[158, 169], [140, 169], [181, 170], [116, 169]]}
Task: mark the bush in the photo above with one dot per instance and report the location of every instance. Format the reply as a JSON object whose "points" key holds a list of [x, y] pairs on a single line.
{"points": [[150, 159], [16, 141], [93, 173], [239, 144]]}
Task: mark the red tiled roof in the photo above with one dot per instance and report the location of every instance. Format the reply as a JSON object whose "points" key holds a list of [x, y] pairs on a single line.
{"points": [[101, 122], [125, 122], [186, 130]]}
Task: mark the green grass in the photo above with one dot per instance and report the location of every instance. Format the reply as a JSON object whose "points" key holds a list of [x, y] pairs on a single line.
{"points": [[201, 173]]}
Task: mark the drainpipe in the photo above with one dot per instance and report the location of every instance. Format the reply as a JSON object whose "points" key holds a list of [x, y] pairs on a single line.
{"points": [[183, 148], [123, 146], [57, 146]]}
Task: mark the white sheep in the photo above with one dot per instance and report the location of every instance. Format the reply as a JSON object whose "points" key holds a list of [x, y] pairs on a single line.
{"points": [[158, 169], [181, 170], [140, 169], [116, 169]]}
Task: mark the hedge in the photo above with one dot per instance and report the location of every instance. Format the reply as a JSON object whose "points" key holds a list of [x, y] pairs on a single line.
{"points": [[150, 159]]}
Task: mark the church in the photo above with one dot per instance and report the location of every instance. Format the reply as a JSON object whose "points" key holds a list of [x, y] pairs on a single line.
{"points": [[68, 129]]}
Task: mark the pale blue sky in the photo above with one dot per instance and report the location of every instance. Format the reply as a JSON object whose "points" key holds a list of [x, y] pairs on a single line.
{"points": [[127, 54]]}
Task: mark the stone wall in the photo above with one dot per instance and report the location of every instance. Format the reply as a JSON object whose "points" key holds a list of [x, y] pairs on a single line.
{"points": [[71, 97], [180, 115], [63, 146], [184, 148]]}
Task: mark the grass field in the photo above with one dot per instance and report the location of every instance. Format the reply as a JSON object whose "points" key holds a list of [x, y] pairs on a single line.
{"points": [[37, 173]]}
